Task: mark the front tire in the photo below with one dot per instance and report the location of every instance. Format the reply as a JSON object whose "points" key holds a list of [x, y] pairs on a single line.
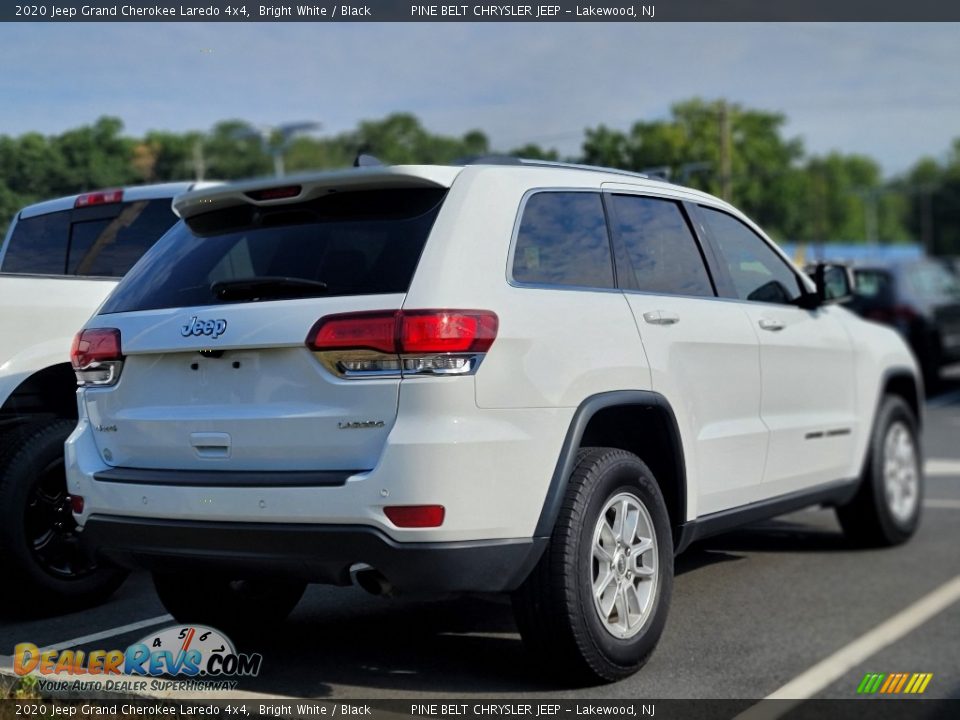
{"points": [[594, 607], [886, 509], [40, 552], [235, 606]]}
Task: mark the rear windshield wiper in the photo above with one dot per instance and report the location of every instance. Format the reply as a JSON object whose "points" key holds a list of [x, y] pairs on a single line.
{"points": [[269, 287]]}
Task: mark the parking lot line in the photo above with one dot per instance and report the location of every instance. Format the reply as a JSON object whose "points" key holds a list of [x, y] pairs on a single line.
{"points": [[941, 468], [832, 668], [942, 503], [122, 629]]}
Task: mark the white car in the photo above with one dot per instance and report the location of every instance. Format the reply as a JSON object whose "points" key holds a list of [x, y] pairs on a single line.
{"points": [[59, 261], [509, 376]]}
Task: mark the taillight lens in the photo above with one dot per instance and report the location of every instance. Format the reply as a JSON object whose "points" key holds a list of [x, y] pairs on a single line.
{"points": [[404, 342], [96, 356]]}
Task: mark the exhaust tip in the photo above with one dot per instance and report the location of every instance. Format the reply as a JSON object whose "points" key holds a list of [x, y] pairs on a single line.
{"points": [[372, 580]]}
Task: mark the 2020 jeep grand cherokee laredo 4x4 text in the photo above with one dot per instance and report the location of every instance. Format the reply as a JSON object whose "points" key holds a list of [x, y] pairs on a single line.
{"points": [[525, 377]]}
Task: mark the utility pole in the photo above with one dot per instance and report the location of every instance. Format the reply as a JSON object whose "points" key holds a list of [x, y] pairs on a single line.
{"points": [[926, 217], [725, 152], [199, 162]]}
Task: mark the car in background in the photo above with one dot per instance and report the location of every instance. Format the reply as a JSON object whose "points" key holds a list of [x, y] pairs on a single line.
{"points": [[921, 299], [59, 261]]}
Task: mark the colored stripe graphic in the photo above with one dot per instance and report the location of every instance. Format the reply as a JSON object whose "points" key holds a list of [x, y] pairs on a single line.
{"points": [[894, 683], [870, 683], [903, 680]]}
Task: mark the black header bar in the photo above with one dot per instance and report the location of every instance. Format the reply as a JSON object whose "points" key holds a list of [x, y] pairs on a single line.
{"points": [[320, 11]]}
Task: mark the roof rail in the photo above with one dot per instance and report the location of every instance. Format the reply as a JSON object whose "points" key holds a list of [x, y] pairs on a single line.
{"points": [[509, 160]]}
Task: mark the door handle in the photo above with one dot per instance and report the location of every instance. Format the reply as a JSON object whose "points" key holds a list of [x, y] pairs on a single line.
{"points": [[772, 325], [661, 317]]}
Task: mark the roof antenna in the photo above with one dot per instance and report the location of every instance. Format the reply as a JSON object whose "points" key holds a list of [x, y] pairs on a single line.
{"points": [[364, 160]]}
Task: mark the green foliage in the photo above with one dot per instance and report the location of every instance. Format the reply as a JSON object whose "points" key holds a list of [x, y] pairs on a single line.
{"points": [[26, 688], [716, 146]]}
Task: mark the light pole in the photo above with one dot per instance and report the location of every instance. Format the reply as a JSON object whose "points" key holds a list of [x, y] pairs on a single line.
{"points": [[276, 139]]}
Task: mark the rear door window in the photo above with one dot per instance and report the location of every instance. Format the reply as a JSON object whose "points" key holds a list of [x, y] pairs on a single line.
{"points": [[563, 240], [662, 250], [348, 243]]}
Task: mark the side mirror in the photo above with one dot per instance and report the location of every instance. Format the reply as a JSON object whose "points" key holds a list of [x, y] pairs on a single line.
{"points": [[834, 284]]}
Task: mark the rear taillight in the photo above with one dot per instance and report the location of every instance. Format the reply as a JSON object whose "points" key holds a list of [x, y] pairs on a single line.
{"points": [[404, 342], [96, 356], [104, 197], [898, 316]]}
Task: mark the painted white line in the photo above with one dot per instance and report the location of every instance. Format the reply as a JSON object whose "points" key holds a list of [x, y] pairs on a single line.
{"points": [[942, 504], [941, 468], [831, 669], [73, 642]]}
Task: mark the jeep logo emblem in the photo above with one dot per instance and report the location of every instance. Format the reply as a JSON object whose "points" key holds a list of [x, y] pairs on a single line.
{"points": [[197, 327]]}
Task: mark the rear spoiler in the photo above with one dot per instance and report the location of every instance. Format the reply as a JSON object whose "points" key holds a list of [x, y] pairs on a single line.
{"points": [[295, 189]]}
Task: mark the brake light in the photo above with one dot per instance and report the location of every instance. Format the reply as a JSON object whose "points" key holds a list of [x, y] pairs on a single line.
{"points": [[415, 516], [278, 193], [431, 331], [404, 342], [102, 197], [76, 504], [96, 356], [899, 316]]}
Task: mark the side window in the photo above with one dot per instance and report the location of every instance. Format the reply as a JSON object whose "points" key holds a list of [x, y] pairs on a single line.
{"points": [[663, 252], [108, 247], [563, 240], [38, 245], [758, 273]]}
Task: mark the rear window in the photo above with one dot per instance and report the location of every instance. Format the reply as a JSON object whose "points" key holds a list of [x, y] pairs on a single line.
{"points": [[562, 240], [352, 243], [98, 241]]}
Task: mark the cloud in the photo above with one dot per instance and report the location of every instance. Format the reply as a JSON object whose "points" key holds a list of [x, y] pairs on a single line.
{"points": [[883, 90]]}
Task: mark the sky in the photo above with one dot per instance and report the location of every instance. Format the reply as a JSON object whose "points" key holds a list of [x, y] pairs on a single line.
{"points": [[885, 90]]}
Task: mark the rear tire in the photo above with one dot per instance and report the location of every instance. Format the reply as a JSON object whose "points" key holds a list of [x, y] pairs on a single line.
{"points": [[235, 606], [612, 535], [886, 509], [40, 551]]}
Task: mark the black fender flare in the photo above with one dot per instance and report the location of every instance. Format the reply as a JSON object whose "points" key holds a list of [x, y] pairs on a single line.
{"points": [[568, 452]]}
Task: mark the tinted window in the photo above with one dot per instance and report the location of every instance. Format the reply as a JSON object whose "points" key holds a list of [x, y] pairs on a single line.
{"points": [[109, 247], [39, 245], [872, 284], [102, 240], [563, 240], [350, 243], [758, 273], [663, 252], [933, 281]]}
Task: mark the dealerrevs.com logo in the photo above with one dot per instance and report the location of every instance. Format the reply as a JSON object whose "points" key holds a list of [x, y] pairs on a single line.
{"points": [[200, 657]]}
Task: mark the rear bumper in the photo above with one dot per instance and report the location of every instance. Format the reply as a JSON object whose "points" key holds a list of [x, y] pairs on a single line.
{"points": [[314, 553]]}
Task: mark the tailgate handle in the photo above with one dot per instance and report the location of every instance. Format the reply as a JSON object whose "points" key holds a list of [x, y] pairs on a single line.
{"points": [[211, 444]]}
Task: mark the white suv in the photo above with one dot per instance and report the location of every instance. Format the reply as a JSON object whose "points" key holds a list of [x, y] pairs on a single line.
{"points": [[508, 376]]}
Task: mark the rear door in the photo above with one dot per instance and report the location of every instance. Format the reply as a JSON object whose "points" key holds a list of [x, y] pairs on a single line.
{"points": [[703, 353], [806, 361], [214, 324]]}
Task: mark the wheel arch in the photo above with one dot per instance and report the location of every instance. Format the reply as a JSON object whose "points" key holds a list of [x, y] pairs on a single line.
{"points": [[639, 421], [50, 392]]}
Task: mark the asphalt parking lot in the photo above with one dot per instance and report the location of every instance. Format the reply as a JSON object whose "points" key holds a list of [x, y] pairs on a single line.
{"points": [[783, 605]]}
